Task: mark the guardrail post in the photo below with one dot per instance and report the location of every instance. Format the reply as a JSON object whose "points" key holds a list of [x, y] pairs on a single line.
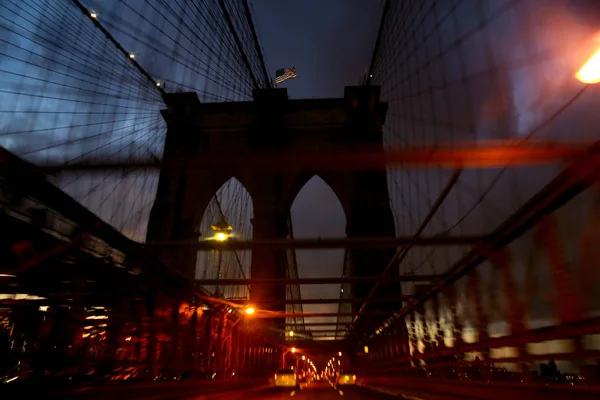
{"points": [[427, 339], [438, 335], [501, 260], [457, 329], [568, 304], [481, 322], [412, 332], [114, 335], [151, 352], [568, 299], [590, 254], [175, 355]]}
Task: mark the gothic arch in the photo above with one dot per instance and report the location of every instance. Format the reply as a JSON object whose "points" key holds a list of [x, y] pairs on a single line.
{"points": [[204, 188], [319, 217], [338, 183], [235, 202]]}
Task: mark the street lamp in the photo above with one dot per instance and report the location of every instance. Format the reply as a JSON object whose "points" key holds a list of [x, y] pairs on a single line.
{"points": [[303, 358], [248, 310], [339, 353], [590, 72], [222, 230], [293, 349], [291, 333]]}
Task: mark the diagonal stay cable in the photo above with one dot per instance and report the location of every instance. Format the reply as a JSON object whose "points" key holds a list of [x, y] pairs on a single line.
{"points": [[118, 45], [461, 266], [403, 251], [238, 43], [237, 257]]}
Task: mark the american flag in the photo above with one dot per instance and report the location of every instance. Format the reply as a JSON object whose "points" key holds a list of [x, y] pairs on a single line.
{"points": [[284, 74]]}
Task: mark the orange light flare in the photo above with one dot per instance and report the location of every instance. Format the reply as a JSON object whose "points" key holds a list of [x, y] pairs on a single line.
{"points": [[590, 72]]}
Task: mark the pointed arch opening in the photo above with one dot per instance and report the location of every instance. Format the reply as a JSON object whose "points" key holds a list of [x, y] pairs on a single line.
{"points": [[316, 211], [231, 204]]}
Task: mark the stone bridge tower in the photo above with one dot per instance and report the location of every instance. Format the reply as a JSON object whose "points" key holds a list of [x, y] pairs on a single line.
{"points": [[274, 123]]}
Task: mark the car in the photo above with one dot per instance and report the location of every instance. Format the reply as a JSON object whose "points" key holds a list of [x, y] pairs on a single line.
{"points": [[346, 378], [286, 378]]}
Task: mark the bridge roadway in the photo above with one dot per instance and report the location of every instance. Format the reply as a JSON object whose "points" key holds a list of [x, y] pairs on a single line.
{"points": [[233, 390], [313, 391]]}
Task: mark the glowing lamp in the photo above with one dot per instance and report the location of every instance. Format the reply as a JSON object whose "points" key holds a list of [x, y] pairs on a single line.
{"points": [[220, 236], [590, 72], [222, 230]]}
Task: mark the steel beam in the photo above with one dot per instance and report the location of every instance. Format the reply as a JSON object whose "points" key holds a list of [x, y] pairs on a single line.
{"points": [[497, 154], [292, 326], [315, 281], [573, 180], [268, 314], [327, 243], [27, 178], [331, 301], [328, 335], [590, 326]]}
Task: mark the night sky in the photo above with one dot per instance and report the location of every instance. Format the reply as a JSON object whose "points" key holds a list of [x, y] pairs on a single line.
{"points": [[330, 43]]}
